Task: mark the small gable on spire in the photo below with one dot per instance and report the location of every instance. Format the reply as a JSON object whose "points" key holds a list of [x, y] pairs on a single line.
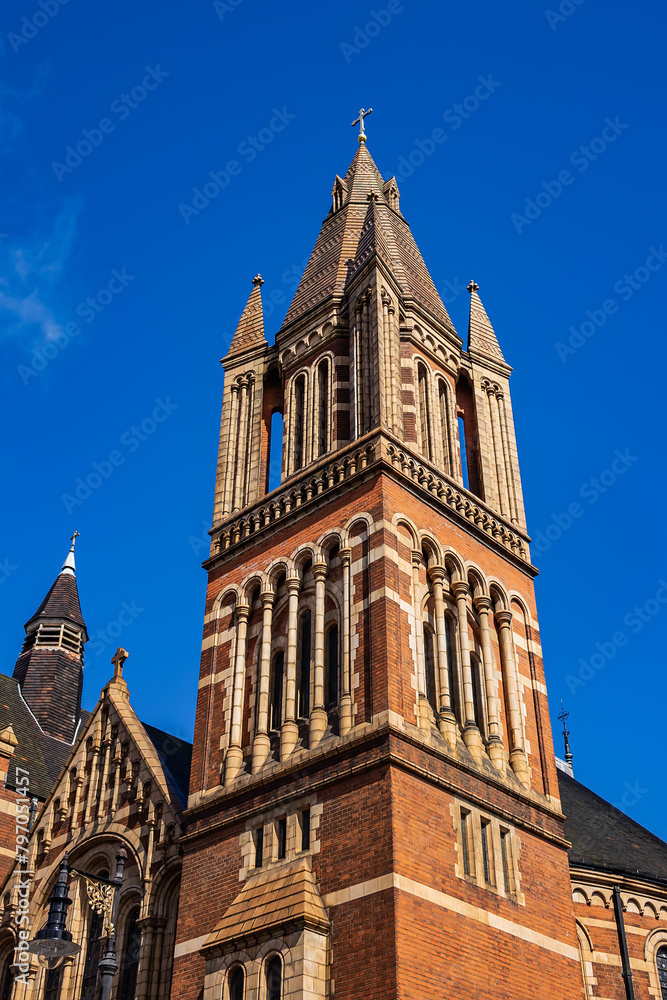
{"points": [[250, 329], [481, 335], [339, 194]]}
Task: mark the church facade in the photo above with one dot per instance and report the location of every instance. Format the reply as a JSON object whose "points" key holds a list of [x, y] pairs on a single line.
{"points": [[374, 808]]}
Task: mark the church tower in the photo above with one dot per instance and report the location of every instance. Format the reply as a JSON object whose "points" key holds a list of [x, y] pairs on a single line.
{"points": [[49, 669], [373, 807]]}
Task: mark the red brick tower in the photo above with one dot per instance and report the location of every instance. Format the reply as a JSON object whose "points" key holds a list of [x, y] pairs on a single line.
{"points": [[373, 805]]}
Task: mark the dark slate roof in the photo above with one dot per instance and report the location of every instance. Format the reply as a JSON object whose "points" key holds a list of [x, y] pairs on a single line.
{"points": [[605, 838], [42, 756], [175, 756], [62, 601]]}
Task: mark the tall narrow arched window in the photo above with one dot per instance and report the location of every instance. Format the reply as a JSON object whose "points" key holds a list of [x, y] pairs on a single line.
{"points": [[450, 646], [93, 952], [304, 666], [424, 414], [429, 667], [332, 664], [7, 981], [468, 438], [298, 422], [445, 426], [275, 459], [477, 689], [323, 407], [661, 962], [274, 979], [130, 960], [236, 983], [277, 673]]}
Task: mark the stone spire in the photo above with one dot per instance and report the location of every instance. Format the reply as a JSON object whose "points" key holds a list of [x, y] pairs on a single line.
{"points": [[49, 669], [482, 338], [250, 329]]}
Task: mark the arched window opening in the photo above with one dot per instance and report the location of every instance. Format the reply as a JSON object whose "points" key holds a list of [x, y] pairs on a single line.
{"points": [[298, 422], [450, 645], [424, 414], [331, 649], [130, 961], [661, 961], [443, 398], [429, 667], [93, 952], [304, 666], [275, 456], [277, 690], [467, 422], [51, 987], [324, 408], [274, 976], [236, 983], [477, 688]]}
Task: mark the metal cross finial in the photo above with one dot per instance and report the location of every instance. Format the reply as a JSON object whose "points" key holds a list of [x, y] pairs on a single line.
{"points": [[118, 659], [258, 280], [566, 732], [473, 287], [74, 537], [360, 122]]}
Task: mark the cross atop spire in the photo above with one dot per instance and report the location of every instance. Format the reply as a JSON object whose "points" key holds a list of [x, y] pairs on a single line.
{"points": [[258, 281], [473, 287], [118, 659], [360, 122], [563, 716]]}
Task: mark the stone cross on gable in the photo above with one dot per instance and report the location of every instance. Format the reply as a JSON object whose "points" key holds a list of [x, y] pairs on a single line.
{"points": [[118, 659], [360, 122]]}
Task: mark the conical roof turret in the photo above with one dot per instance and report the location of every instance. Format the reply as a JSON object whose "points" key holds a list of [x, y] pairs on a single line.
{"points": [[250, 329], [62, 600], [482, 338]]}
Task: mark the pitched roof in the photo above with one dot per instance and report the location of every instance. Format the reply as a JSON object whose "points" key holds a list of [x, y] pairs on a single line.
{"points": [[383, 230], [481, 335], [44, 756], [250, 329], [273, 898], [603, 837], [62, 601]]}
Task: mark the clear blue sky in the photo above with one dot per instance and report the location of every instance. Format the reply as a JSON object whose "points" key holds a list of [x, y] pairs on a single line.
{"points": [[181, 89]]}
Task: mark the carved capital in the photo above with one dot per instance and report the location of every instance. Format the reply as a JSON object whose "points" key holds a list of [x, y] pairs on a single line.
{"points": [[504, 619], [459, 588], [482, 603]]}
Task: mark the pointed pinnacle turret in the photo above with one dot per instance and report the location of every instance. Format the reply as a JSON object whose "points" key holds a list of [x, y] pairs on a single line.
{"points": [[69, 565], [250, 329], [481, 335]]}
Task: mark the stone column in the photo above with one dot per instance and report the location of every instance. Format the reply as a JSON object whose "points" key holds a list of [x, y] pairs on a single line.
{"points": [[509, 473], [503, 501], [346, 697], [155, 987], [518, 759], [241, 450], [232, 444], [396, 377], [144, 972], [471, 734], [261, 746], [446, 718], [495, 748], [289, 732], [423, 719], [89, 815], [318, 715], [234, 757], [117, 761]]}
